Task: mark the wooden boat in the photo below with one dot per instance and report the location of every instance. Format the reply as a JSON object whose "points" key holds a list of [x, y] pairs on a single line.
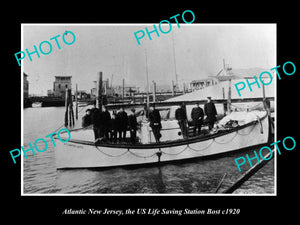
{"points": [[81, 152]]}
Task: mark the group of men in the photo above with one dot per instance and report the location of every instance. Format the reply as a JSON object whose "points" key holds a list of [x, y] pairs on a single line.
{"points": [[197, 116], [113, 127], [109, 127]]}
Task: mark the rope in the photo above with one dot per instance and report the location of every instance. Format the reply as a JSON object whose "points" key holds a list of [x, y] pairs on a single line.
{"points": [[149, 156], [186, 147], [109, 154], [226, 141], [212, 141], [175, 153]]}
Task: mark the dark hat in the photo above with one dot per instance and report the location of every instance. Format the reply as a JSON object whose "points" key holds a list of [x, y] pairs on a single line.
{"points": [[209, 98]]}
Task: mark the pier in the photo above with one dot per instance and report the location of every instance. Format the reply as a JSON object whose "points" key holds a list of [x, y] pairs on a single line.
{"points": [[45, 101]]}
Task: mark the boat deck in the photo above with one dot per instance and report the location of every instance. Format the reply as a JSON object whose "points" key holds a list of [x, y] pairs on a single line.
{"points": [[86, 136]]}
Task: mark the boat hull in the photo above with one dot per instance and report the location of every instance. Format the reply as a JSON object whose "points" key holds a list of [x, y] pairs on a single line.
{"points": [[80, 154]]}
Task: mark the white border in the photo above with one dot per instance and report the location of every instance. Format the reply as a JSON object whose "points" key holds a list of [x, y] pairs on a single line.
{"points": [[141, 194]]}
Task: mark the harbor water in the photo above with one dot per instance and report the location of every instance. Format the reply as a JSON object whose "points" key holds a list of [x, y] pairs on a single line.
{"points": [[199, 176]]}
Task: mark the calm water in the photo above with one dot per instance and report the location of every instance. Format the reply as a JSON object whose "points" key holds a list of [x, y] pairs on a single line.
{"points": [[199, 176]]}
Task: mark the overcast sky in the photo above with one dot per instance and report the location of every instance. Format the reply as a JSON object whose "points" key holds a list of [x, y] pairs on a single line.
{"points": [[113, 49]]}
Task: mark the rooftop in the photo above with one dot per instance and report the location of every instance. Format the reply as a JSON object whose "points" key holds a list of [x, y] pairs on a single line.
{"points": [[63, 76]]}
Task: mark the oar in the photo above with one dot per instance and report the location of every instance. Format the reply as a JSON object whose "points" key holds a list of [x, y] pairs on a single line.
{"points": [[220, 183]]}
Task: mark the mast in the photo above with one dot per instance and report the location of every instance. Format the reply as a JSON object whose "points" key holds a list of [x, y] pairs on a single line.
{"points": [[111, 82], [154, 91], [173, 87], [147, 80], [76, 100], [229, 88], [123, 88], [229, 97], [176, 76]]}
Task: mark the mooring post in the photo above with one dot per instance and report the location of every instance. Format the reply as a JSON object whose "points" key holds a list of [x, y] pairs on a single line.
{"points": [[71, 113], [67, 106], [76, 102], [99, 92]]}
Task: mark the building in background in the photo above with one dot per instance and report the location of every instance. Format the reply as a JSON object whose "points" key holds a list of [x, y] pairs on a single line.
{"points": [[200, 84], [114, 91], [82, 94], [26, 100], [225, 74], [60, 85], [125, 91], [25, 86]]}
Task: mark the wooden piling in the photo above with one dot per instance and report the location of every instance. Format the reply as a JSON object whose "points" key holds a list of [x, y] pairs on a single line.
{"points": [[66, 105], [229, 98], [99, 91], [173, 87], [76, 102], [71, 112]]}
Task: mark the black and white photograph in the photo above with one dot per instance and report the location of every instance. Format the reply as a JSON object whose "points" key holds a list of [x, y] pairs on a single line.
{"points": [[149, 113], [155, 109]]}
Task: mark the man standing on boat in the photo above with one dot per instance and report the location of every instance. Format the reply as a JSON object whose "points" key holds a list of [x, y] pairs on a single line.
{"points": [[105, 126], [180, 115], [210, 112], [133, 125], [96, 121], [113, 127], [155, 123], [86, 119], [197, 115], [122, 120]]}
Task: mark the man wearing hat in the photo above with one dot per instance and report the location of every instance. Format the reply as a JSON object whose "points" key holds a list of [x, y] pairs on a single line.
{"points": [[122, 121], [180, 115], [210, 112], [155, 123], [133, 125], [87, 119], [197, 115]]}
